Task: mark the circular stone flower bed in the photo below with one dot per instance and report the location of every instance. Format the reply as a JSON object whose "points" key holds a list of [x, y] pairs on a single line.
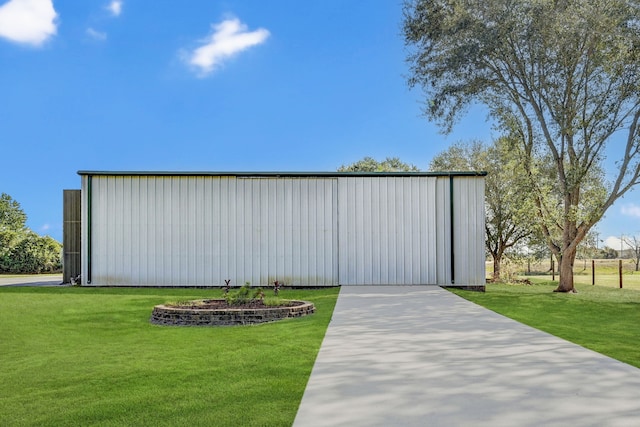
{"points": [[216, 312]]}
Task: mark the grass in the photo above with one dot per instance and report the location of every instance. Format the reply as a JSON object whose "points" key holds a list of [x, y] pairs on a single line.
{"points": [[607, 272], [600, 318], [629, 281], [89, 356]]}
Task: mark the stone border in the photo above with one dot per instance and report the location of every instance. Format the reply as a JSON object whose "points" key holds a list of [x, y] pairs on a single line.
{"points": [[175, 316]]}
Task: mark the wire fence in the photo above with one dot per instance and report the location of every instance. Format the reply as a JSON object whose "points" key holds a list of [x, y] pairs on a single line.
{"points": [[622, 273]]}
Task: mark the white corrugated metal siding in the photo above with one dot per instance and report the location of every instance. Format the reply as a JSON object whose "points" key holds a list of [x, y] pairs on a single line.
{"points": [[198, 230], [201, 230], [443, 228], [469, 232], [385, 230]]}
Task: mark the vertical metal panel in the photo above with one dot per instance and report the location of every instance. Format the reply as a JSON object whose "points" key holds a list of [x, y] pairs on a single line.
{"points": [[386, 230], [469, 231], [85, 252], [201, 230], [71, 236], [443, 225]]}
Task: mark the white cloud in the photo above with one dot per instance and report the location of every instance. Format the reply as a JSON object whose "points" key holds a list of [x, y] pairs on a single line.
{"points": [[28, 21], [614, 242], [631, 210], [45, 227], [98, 35], [228, 38], [115, 7]]}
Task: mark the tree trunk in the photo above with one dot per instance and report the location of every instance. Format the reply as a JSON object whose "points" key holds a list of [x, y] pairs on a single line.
{"points": [[566, 271], [496, 269]]}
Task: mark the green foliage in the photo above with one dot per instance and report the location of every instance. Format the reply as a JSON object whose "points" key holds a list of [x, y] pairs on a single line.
{"points": [[12, 217], [509, 272], [273, 301], [550, 199], [606, 253], [461, 156], [510, 211], [8, 240], [369, 164], [244, 295], [22, 250], [54, 353], [560, 79], [29, 253]]}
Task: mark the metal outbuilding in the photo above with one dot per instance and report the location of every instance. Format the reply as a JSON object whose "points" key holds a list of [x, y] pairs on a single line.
{"points": [[301, 229]]}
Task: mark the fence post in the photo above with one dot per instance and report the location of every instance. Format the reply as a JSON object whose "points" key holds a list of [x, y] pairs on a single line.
{"points": [[620, 272], [593, 272], [553, 270]]}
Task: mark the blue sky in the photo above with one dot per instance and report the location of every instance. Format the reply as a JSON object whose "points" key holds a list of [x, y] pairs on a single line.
{"points": [[211, 85]]}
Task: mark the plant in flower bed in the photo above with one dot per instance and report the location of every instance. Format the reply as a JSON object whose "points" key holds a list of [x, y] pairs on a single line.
{"points": [[244, 297], [243, 307]]}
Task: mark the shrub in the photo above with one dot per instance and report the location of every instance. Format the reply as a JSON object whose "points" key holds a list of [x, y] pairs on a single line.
{"points": [[31, 253], [244, 295]]}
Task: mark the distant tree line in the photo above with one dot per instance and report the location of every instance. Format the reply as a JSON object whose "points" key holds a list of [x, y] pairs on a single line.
{"points": [[369, 164], [22, 250]]}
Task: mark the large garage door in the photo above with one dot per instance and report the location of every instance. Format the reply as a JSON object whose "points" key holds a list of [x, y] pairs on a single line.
{"points": [[202, 230], [386, 230]]}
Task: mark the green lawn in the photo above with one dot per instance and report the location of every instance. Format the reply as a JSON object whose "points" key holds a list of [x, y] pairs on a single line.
{"points": [[89, 356], [611, 280], [601, 318], [606, 272]]}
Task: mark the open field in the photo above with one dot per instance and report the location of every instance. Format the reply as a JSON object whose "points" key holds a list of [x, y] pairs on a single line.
{"points": [[89, 356], [629, 281], [607, 273], [603, 319]]}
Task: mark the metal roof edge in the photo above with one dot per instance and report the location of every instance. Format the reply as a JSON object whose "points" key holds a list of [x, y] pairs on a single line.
{"points": [[280, 174]]}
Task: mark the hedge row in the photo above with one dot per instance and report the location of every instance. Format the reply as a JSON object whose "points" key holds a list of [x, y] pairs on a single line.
{"points": [[27, 252]]}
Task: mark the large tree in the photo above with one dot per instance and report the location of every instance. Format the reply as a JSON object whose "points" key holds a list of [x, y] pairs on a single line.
{"points": [[561, 76], [507, 203], [369, 164], [12, 217], [22, 250]]}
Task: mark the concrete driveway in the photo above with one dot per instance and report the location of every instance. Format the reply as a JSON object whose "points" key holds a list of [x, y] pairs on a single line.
{"points": [[421, 356], [31, 280]]}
